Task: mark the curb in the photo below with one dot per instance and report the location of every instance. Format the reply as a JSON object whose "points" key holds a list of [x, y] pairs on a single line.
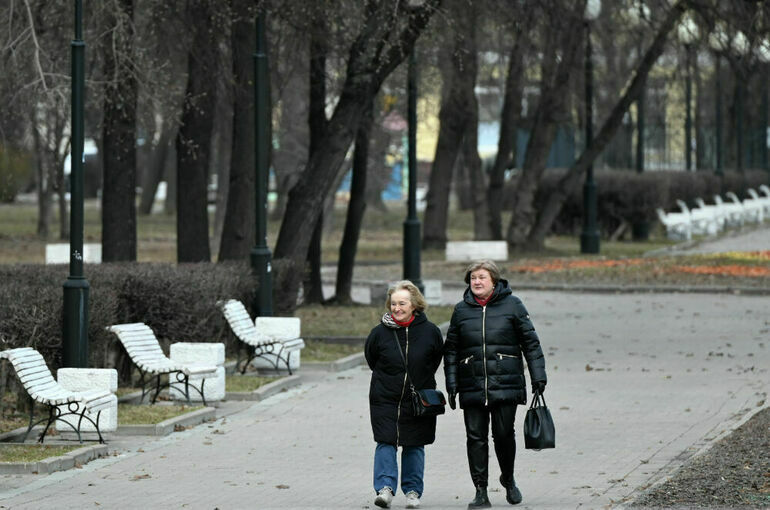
{"points": [[52, 464], [268, 390], [166, 427], [354, 360]]}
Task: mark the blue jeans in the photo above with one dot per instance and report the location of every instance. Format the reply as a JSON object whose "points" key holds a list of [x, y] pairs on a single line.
{"points": [[386, 468]]}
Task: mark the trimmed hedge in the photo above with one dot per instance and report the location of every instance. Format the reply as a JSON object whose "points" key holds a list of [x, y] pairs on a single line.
{"points": [[625, 196], [177, 301]]}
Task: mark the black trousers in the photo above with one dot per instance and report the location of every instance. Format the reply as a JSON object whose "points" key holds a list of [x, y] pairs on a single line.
{"points": [[477, 420]]}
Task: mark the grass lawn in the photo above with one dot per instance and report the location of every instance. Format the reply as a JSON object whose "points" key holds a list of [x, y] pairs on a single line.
{"points": [[131, 414], [32, 452], [246, 383]]}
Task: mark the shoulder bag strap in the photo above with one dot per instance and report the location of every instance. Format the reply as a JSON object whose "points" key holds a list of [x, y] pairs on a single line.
{"points": [[401, 352]]}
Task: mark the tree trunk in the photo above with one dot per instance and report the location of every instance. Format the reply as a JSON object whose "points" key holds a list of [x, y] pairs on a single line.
{"points": [[550, 110], [119, 142], [506, 145], [370, 62], [194, 139], [356, 210], [477, 179], [317, 122], [222, 147], [454, 114], [156, 169], [239, 230], [43, 183], [574, 175]]}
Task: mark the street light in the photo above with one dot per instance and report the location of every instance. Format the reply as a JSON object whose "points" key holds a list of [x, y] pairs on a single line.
{"points": [[639, 13], [763, 54], [719, 42], [76, 288], [260, 254], [589, 238], [412, 223], [688, 33]]}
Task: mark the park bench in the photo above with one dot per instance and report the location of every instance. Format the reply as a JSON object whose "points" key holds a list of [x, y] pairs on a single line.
{"points": [[764, 189], [733, 210], [713, 210], [678, 224], [41, 387], [144, 350], [703, 219], [758, 205], [474, 250], [272, 339]]}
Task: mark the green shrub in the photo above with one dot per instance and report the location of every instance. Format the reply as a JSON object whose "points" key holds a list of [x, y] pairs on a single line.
{"points": [[15, 171], [177, 301]]}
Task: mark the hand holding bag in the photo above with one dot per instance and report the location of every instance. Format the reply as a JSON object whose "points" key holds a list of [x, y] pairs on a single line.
{"points": [[539, 431], [427, 402]]}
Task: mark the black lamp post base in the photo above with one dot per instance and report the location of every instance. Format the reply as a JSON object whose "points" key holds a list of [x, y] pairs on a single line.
{"points": [[260, 264], [412, 252], [589, 242], [75, 323]]}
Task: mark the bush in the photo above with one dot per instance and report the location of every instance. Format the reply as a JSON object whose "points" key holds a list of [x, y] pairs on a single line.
{"points": [[176, 301], [625, 196], [15, 171]]}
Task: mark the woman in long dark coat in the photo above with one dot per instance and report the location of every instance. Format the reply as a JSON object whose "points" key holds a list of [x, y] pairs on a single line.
{"points": [[404, 335]]}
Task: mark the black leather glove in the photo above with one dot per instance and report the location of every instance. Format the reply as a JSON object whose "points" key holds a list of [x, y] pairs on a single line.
{"points": [[538, 387], [452, 400]]}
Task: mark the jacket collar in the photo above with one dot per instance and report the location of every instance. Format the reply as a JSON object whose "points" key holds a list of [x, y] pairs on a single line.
{"points": [[501, 291]]}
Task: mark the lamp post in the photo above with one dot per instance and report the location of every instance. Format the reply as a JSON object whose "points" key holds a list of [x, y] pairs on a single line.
{"points": [[260, 254], [76, 288], [688, 32], [412, 223], [589, 237], [740, 46], [763, 53], [639, 13], [719, 43]]}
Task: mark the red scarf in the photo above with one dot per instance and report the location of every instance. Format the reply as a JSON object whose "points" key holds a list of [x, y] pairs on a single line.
{"points": [[483, 302], [403, 324]]}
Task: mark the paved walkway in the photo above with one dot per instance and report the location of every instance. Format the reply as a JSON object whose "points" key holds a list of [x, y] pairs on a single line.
{"points": [[638, 382]]}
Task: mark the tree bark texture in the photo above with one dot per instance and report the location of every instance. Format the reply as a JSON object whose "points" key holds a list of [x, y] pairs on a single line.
{"points": [[509, 120], [239, 229], [194, 138], [356, 210], [119, 141], [370, 61], [550, 110], [459, 79], [574, 175], [317, 122]]}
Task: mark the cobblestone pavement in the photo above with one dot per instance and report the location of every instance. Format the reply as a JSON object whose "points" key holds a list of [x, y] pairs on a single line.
{"points": [[637, 384]]}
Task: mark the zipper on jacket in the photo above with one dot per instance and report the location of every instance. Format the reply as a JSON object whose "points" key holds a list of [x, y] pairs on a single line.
{"points": [[403, 387], [501, 356], [467, 360], [484, 350]]}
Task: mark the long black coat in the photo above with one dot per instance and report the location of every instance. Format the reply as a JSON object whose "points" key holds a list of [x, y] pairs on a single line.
{"points": [[390, 408], [484, 348]]}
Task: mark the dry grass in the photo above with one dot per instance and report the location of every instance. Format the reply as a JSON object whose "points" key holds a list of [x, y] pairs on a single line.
{"points": [[130, 414], [32, 452]]}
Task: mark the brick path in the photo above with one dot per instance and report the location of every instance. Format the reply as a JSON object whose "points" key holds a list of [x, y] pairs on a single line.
{"points": [[638, 382]]}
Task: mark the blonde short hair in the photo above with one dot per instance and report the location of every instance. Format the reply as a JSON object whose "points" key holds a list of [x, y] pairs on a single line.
{"points": [[416, 297], [488, 265]]}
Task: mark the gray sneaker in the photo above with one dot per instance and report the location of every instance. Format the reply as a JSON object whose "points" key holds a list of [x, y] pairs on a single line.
{"points": [[384, 497], [412, 500]]}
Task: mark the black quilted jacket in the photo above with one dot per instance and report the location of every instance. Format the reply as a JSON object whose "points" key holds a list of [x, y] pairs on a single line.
{"points": [[484, 348]]}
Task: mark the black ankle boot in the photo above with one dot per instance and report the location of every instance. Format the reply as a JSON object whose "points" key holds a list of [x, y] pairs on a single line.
{"points": [[481, 500], [512, 493]]}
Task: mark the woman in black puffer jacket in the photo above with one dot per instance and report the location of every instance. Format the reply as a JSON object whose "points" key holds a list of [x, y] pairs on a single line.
{"points": [[404, 327], [489, 332]]}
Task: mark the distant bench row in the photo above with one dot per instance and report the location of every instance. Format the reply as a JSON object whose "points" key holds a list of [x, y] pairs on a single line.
{"points": [[710, 219]]}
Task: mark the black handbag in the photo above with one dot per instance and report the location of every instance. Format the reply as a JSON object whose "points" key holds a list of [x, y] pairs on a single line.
{"points": [[539, 431], [427, 402]]}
